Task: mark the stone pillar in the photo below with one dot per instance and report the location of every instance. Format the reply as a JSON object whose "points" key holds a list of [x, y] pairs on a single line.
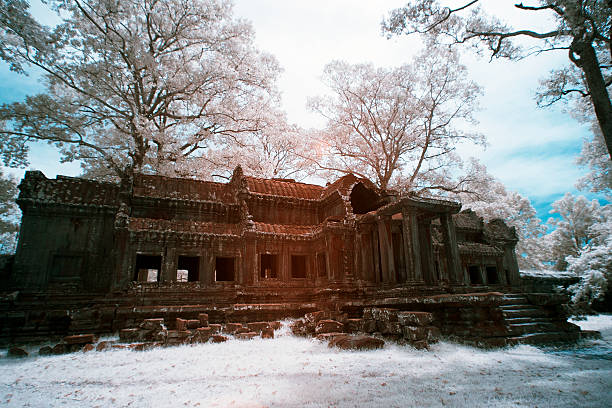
{"points": [[427, 261], [386, 249], [376, 255], [452, 250], [168, 272]]}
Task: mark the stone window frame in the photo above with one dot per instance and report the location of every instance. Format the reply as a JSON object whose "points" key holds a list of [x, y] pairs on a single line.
{"points": [[307, 274], [232, 255], [279, 262], [161, 256]]}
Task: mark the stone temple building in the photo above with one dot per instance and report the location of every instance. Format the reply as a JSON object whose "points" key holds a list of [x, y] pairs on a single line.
{"points": [[253, 248]]}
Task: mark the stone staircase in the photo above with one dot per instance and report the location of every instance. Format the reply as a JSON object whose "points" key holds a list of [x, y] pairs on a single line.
{"points": [[536, 320]]}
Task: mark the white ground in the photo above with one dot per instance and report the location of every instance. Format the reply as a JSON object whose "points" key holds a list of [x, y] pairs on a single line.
{"points": [[296, 372]]}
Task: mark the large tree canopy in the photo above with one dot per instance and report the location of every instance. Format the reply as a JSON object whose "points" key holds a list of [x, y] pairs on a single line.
{"points": [[134, 85], [579, 27], [397, 126]]}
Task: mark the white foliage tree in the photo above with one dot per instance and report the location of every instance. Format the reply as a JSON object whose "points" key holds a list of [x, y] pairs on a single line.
{"points": [[134, 85], [397, 126], [9, 214], [577, 27], [573, 229], [490, 199]]}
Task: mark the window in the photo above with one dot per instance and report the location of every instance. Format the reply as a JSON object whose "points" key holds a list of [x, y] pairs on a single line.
{"points": [[474, 272], [492, 278], [268, 267], [224, 269], [188, 269], [298, 266], [148, 268], [321, 265]]}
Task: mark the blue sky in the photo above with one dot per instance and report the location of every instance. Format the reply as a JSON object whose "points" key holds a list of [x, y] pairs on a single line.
{"points": [[530, 150]]}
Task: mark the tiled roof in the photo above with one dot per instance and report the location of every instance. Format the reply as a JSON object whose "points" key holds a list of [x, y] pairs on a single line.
{"points": [[345, 183], [185, 189], [207, 228], [284, 188], [468, 220], [284, 229], [479, 249]]}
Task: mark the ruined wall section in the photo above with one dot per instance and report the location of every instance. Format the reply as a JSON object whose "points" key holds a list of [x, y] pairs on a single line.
{"points": [[66, 237]]}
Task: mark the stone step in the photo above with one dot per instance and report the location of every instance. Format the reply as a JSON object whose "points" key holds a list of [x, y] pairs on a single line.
{"points": [[519, 320], [544, 338], [530, 328], [530, 312], [516, 307], [518, 300]]}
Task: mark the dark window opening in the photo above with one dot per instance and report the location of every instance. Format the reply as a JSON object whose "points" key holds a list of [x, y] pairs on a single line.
{"points": [[508, 280], [224, 269], [492, 278], [474, 272], [363, 200], [298, 266], [322, 265], [148, 268], [188, 269], [66, 267], [268, 266], [437, 269]]}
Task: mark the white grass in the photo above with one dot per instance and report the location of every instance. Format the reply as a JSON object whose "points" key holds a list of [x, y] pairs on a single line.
{"points": [[296, 372]]}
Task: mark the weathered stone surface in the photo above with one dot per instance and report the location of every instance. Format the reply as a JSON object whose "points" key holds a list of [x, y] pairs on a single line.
{"points": [[329, 326], [202, 335], [300, 328], [415, 318], [380, 314], [267, 333], [45, 351], [80, 339], [203, 318], [246, 336], [134, 335], [218, 338], [347, 342], [153, 324], [547, 299], [420, 345], [103, 345], [353, 325], [416, 333], [17, 352], [181, 324], [258, 327], [590, 334], [329, 336], [60, 348], [143, 346], [88, 347], [215, 328], [193, 323], [231, 328], [386, 327], [243, 330], [275, 325], [368, 326]]}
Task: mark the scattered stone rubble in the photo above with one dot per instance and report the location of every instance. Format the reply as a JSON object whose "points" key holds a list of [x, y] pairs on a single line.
{"points": [[414, 328]]}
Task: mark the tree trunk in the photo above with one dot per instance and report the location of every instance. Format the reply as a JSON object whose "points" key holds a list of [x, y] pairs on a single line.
{"points": [[597, 88]]}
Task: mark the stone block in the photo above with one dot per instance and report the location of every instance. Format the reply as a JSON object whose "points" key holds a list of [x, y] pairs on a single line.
{"points": [[60, 348], [153, 324], [88, 347], [389, 327], [353, 325], [193, 323], [215, 328], [267, 333], [218, 338], [202, 334], [420, 345], [415, 318], [246, 336], [275, 325], [133, 335], [329, 326], [416, 333], [315, 317], [329, 336], [181, 324], [203, 318], [258, 327], [347, 342], [104, 345], [45, 351], [368, 326], [231, 328], [17, 352], [80, 339]]}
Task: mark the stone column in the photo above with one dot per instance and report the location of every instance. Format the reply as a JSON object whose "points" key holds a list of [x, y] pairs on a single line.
{"points": [[376, 255], [427, 262], [168, 272], [386, 249], [452, 250]]}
